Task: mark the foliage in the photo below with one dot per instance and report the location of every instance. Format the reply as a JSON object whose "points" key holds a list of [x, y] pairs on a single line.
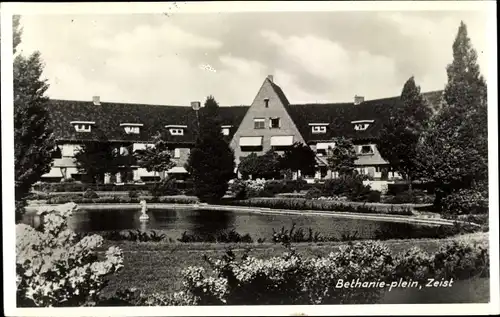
{"points": [[34, 142], [89, 193], [211, 162], [284, 186], [465, 201], [134, 235], [54, 268], [165, 187], [350, 186], [342, 157], [61, 199], [226, 236], [133, 194], [156, 158], [399, 138], [313, 193], [265, 166], [239, 189], [96, 158], [300, 157], [454, 151], [317, 204]]}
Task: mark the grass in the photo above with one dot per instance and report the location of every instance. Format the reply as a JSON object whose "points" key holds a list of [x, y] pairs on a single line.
{"points": [[156, 267]]}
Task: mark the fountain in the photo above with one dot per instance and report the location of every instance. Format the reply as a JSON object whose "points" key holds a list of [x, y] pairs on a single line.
{"points": [[144, 208]]}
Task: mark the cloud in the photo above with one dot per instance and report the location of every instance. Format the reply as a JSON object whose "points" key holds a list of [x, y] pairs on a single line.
{"points": [[330, 62], [314, 56]]}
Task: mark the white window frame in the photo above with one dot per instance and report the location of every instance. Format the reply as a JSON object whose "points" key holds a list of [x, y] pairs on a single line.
{"points": [[317, 129], [176, 131], [259, 120], [271, 122], [82, 126], [177, 153], [225, 131]]}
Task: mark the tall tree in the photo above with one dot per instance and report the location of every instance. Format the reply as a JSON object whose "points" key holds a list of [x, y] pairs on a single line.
{"points": [[96, 158], [265, 166], [342, 157], [300, 157], [34, 141], [399, 139], [454, 152], [211, 162], [157, 158]]}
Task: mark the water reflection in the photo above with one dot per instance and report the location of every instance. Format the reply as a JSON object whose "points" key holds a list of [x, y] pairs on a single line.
{"points": [[205, 222]]}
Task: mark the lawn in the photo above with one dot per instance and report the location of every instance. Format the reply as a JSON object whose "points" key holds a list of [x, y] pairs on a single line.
{"points": [[155, 267]]}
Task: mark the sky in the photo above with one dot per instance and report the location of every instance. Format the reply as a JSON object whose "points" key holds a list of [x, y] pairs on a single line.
{"points": [[183, 57]]}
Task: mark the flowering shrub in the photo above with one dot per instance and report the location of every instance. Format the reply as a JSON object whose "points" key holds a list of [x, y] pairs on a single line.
{"points": [[89, 193], [54, 268], [243, 189], [466, 201]]}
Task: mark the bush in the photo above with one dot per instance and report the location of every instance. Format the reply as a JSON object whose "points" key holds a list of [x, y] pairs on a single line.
{"points": [[403, 197], [313, 193], [317, 204], [373, 196], [461, 260], [165, 187], [465, 201], [229, 236], [134, 235], [285, 186], [54, 268], [89, 193], [290, 279], [133, 194], [352, 187], [239, 189]]}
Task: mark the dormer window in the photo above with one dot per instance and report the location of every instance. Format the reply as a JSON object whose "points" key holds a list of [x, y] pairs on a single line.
{"points": [[176, 129], [132, 128], [226, 129], [318, 128], [362, 125], [365, 150], [82, 126]]}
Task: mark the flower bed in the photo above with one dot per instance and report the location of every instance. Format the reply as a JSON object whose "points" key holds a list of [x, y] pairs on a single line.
{"points": [[320, 205], [122, 199], [293, 278]]}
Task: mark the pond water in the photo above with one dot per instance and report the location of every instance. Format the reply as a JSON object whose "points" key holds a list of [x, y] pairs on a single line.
{"points": [[174, 222]]}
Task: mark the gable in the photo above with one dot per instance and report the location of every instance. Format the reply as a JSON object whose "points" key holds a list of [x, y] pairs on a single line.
{"points": [[277, 107]]}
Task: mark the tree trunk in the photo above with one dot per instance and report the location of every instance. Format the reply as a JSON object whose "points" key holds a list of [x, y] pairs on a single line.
{"points": [[410, 187]]}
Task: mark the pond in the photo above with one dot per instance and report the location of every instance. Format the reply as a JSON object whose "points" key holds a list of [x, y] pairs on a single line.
{"points": [[174, 222]]}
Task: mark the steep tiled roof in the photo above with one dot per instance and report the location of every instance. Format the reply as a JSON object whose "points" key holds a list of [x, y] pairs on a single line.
{"points": [[108, 117], [339, 117]]}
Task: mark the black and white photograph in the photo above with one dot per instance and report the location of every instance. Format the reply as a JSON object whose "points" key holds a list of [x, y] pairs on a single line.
{"points": [[233, 158]]}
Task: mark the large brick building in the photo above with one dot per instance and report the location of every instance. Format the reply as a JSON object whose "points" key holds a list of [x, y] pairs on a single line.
{"points": [[271, 121]]}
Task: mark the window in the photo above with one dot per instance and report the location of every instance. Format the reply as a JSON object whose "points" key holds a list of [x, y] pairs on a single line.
{"points": [[177, 153], [259, 123], [266, 102], [225, 131], [361, 126], [366, 149], [132, 130], [321, 152], [176, 131], [274, 123], [82, 127], [319, 129]]}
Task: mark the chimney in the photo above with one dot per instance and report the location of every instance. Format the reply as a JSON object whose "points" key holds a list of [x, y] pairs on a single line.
{"points": [[195, 105], [96, 100], [358, 99], [271, 78]]}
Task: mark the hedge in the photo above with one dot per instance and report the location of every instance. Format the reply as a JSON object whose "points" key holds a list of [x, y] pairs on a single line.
{"points": [[82, 187]]}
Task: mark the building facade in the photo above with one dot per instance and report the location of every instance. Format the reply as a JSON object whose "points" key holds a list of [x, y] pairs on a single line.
{"points": [[270, 122]]}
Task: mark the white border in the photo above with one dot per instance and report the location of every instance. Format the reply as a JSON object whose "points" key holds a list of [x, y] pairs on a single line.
{"points": [[192, 7]]}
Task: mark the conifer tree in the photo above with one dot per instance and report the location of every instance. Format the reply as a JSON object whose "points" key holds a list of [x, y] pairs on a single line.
{"points": [[454, 153], [342, 157], [211, 162], [399, 139], [34, 142]]}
